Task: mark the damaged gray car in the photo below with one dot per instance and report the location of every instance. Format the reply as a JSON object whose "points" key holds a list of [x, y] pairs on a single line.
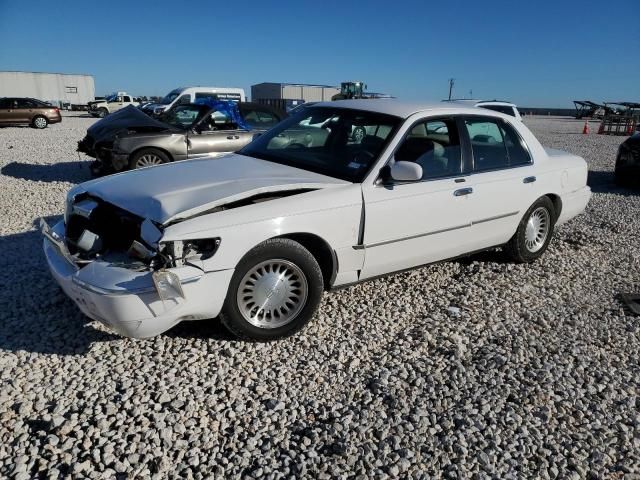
{"points": [[130, 139]]}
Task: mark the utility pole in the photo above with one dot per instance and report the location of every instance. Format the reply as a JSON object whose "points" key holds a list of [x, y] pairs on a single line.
{"points": [[451, 82]]}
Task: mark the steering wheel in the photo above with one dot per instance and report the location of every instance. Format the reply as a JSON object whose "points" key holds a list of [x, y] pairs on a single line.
{"points": [[296, 146], [366, 153]]}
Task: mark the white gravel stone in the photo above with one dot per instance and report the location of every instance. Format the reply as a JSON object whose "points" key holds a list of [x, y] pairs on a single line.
{"points": [[476, 368]]}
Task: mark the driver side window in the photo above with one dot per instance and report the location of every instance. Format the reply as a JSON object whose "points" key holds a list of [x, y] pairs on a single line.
{"points": [[216, 121], [435, 146]]}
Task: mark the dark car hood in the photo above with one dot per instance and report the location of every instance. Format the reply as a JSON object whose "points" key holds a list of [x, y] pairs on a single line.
{"points": [[633, 142], [126, 119]]}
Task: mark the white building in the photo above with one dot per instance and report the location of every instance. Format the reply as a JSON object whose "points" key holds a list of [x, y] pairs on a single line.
{"points": [[56, 88]]}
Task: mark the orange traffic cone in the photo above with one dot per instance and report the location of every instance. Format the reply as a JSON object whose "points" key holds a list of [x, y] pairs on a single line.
{"points": [[630, 129], [585, 130], [601, 128]]}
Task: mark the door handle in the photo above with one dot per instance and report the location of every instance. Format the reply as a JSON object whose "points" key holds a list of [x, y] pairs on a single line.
{"points": [[233, 137], [529, 180], [463, 191]]}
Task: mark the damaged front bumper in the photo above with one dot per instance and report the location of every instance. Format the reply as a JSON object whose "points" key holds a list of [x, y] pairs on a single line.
{"points": [[128, 300]]}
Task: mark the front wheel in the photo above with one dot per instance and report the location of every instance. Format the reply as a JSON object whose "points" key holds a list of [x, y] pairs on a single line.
{"points": [[147, 157], [102, 112], [274, 291], [534, 232]]}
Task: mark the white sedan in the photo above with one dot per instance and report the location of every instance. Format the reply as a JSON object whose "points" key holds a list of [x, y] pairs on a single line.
{"points": [[256, 237]]}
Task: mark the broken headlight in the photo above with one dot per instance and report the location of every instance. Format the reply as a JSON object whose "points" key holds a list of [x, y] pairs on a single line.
{"points": [[182, 251], [167, 285]]}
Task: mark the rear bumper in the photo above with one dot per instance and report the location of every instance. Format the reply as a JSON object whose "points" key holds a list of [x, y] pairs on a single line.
{"points": [[126, 300], [574, 204]]}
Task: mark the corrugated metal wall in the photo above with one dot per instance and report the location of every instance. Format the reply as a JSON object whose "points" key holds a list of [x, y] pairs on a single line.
{"points": [[49, 87], [308, 93]]}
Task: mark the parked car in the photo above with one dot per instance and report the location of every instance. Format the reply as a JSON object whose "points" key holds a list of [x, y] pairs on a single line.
{"points": [[185, 95], [255, 237], [501, 106], [113, 103], [627, 170], [28, 111], [131, 139]]}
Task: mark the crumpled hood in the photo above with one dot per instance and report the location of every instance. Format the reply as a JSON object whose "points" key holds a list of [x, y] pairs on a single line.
{"points": [[184, 189], [122, 120]]}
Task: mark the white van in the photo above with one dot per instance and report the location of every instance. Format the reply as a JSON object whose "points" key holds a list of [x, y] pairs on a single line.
{"points": [[191, 94]]}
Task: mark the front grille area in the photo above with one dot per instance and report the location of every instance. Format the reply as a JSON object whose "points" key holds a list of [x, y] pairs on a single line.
{"points": [[116, 228]]}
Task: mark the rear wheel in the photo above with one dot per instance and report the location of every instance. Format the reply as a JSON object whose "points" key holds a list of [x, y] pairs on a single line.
{"points": [[534, 232], [148, 157], [40, 122], [274, 291]]}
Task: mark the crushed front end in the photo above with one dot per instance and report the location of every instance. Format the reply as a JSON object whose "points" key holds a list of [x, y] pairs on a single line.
{"points": [[115, 267]]}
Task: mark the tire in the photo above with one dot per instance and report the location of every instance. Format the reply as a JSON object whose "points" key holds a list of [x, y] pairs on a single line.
{"points": [[254, 285], [532, 236], [148, 157], [102, 112], [39, 122]]}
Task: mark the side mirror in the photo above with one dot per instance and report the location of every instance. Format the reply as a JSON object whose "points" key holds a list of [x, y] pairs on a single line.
{"points": [[406, 171]]}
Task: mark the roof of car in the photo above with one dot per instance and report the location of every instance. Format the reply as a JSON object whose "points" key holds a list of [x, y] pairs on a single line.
{"points": [[398, 108]]}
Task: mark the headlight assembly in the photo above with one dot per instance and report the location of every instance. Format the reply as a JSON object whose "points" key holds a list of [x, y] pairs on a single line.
{"points": [[200, 249]]}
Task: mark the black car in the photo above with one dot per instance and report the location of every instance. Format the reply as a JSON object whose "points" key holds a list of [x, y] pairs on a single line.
{"points": [[628, 162]]}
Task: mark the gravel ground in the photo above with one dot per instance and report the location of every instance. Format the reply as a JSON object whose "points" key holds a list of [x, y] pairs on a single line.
{"points": [[476, 368]]}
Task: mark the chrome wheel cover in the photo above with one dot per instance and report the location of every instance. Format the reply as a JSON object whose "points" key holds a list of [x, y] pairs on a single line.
{"points": [[537, 229], [40, 122], [148, 160], [272, 293], [358, 134]]}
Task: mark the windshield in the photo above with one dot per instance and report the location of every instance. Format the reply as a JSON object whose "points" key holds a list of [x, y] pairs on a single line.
{"points": [[337, 142], [184, 116], [171, 96]]}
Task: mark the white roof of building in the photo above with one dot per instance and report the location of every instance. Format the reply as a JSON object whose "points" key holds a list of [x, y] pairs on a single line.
{"points": [[398, 108]]}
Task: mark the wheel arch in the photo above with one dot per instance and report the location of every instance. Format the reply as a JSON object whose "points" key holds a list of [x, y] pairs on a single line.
{"points": [[557, 203], [321, 251], [146, 147], [35, 116]]}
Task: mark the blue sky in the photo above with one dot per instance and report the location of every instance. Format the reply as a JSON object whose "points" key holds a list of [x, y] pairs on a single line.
{"points": [[539, 53]]}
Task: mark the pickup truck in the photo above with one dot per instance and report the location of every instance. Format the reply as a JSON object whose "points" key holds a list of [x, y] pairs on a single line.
{"points": [[112, 103]]}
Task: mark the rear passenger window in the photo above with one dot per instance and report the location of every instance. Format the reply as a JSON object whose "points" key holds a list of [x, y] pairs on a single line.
{"points": [[260, 118], [435, 146], [516, 148], [495, 145]]}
